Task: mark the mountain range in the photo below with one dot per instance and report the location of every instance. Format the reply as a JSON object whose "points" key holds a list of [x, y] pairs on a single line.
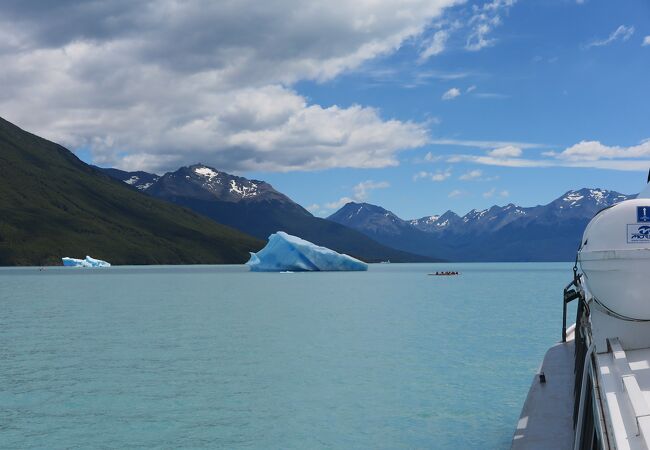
{"points": [[501, 233], [549, 232], [256, 208], [52, 205]]}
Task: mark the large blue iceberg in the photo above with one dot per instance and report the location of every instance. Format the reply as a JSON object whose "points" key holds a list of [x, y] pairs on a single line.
{"points": [[88, 262], [285, 252]]}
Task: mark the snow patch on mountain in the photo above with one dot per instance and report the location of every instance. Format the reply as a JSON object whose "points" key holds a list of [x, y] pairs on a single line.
{"points": [[573, 198], [206, 172], [244, 190]]}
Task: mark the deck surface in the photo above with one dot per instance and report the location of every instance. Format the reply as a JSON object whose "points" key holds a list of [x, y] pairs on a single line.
{"points": [[546, 420], [617, 401]]}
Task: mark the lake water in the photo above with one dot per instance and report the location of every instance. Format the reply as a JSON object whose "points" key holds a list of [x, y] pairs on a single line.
{"points": [[217, 357]]}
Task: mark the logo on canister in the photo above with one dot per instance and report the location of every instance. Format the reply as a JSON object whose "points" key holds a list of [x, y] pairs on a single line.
{"points": [[643, 213], [638, 234]]}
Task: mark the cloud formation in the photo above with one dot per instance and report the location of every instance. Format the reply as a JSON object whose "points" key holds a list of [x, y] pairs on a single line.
{"points": [[595, 151], [508, 151], [435, 46], [483, 21], [155, 84], [361, 192], [451, 94], [622, 33], [471, 175], [588, 154], [493, 192], [440, 175], [485, 144]]}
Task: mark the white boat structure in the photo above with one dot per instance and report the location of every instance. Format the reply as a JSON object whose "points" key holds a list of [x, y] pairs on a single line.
{"points": [[592, 390]]}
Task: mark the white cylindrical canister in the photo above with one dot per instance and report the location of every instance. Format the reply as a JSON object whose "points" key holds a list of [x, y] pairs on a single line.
{"points": [[615, 258]]}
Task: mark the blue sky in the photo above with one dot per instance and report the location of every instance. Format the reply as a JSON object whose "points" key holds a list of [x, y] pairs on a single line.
{"points": [[419, 107], [549, 90]]}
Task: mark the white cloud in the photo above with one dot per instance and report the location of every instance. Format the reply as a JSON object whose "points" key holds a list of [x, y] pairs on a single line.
{"points": [[492, 192], [156, 84], [338, 203], [646, 41], [488, 95], [503, 162], [430, 157], [445, 75], [476, 175], [451, 94], [440, 175], [483, 21], [435, 46], [588, 154], [471, 175], [313, 208], [509, 151], [421, 175], [594, 151], [470, 89], [455, 193], [361, 192], [484, 144], [622, 33]]}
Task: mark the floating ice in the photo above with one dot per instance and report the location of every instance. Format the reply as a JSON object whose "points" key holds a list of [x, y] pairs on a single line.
{"points": [[88, 262], [285, 252]]}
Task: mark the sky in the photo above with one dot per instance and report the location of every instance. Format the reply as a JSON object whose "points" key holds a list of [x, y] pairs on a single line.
{"points": [[419, 106]]}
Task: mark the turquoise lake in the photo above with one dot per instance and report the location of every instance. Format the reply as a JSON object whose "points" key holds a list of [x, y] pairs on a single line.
{"points": [[217, 357]]}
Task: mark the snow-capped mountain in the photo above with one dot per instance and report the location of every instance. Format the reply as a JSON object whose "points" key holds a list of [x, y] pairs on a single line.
{"points": [[548, 232], [255, 207], [385, 227], [506, 233], [583, 203], [206, 183], [139, 180], [586, 202]]}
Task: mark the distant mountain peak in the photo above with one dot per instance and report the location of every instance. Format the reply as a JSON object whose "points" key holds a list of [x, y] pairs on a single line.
{"points": [[203, 182], [475, 214], [594, 196], [368, 214], [436, 222], [353, 209]]}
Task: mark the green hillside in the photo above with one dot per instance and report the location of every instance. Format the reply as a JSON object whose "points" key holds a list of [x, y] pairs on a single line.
{"points": [[53, 205]]}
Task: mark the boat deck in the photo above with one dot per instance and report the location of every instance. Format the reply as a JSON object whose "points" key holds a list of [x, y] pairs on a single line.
{"points": [[625, 389], [549, 406]]}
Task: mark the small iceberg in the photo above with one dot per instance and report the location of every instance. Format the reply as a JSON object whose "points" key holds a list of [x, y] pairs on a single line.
{"points": [[88, 262], [285, 252]]}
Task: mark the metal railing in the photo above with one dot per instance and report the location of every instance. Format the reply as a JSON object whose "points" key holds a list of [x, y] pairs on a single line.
{"points": [[571, 292]]}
